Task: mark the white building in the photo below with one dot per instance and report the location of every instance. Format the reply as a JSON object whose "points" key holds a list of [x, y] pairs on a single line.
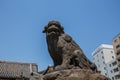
{"points": [[104, 58]]}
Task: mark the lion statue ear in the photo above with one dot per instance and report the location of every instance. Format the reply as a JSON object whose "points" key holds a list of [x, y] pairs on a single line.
{"points": [[45, 28], [62, 29]]}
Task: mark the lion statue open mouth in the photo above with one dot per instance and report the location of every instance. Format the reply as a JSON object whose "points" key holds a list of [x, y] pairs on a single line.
{"points": [[53, 30], [66, 54]]}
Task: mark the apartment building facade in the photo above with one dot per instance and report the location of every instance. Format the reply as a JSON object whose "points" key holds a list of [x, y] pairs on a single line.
{"points": [[105, 60], [116, 46]]}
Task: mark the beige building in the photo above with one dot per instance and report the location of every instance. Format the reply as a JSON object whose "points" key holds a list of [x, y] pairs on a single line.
{"points": [[116, 46]]}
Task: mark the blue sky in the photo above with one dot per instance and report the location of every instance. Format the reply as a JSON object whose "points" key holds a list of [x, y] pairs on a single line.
{"points": [[89, 22]]}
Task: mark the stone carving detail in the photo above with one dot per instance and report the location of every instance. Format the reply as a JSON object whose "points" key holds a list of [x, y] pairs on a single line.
{"points": [[74, 74], [66, 54], [70, 63]]}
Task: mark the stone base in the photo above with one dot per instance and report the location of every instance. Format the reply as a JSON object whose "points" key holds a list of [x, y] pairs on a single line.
{"points": [[74, 74]]}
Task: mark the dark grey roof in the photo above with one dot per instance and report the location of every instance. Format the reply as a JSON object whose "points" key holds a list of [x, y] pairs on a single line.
{"points": [[16, 69]]}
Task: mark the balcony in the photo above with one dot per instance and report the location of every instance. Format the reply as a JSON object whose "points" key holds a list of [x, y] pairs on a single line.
{"points": [[118, 50], [118, 63], [115, 66], [117, 73], [117, 77], [118, 55]]}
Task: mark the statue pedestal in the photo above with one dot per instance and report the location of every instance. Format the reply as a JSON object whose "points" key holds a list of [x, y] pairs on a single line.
{"points": [[74, 74]]}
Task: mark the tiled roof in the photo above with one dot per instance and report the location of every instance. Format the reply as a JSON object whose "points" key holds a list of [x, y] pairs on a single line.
{"points": [[16, 70]]}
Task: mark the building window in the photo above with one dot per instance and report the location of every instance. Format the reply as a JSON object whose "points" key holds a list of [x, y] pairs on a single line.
{"points": [[101, 52], [104, 68], [118, 60], [98, 60], [102, 57], [118, 53], [110, 65], [106, 74], [117, 46], [103, 62], [115, 41], [114, 63], [112, 78], [111, 71], [111, 51], [98, 65], [115, 70], [113, 57], [97, 55]]}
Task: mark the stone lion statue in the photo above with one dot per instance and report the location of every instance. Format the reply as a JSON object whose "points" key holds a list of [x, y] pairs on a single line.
{"points": [[66, 54]]}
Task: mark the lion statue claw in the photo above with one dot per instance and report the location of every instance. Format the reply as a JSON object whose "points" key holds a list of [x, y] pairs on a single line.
{"points": [[66, 54]]}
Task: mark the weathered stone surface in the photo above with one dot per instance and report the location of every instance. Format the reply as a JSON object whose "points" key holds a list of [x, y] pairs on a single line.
{"points": [[66, 54], [70, 63], [74, 74]]}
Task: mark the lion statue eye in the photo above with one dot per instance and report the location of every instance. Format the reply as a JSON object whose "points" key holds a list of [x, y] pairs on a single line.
{"points": [[49, 25]]}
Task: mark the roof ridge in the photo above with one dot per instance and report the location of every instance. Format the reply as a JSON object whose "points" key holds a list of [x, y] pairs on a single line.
{"points": [[4, 61]]}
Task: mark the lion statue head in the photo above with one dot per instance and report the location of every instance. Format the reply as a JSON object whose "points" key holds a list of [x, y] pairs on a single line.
{"points": [[53, 29]]}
